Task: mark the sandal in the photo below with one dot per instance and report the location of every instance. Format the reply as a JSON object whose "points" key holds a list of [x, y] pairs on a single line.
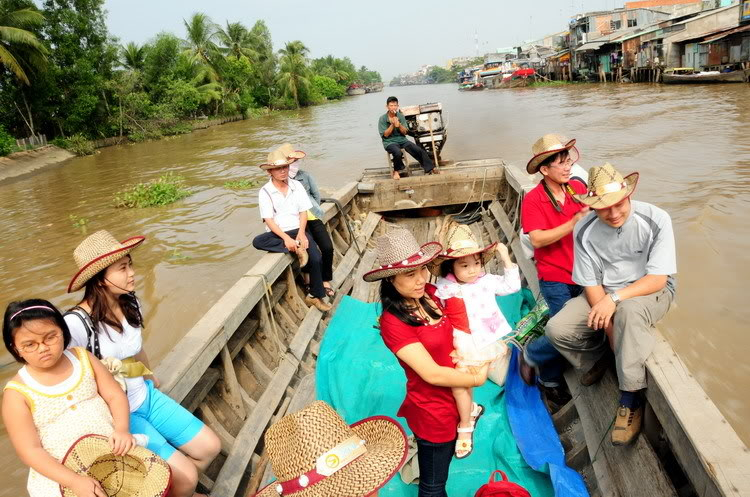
{"points": [[465, 444], [476, 413], [330, 292]]}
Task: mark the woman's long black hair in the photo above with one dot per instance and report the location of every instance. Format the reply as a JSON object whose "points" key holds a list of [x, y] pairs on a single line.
{"points": [[395, 303], [95, 295]]}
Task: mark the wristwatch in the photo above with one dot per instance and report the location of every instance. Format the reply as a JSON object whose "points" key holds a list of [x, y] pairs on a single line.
{"points": [[615, 298]]}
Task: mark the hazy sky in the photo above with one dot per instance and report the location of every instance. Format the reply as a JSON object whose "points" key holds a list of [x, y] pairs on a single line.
{"points": [[391, 37]]}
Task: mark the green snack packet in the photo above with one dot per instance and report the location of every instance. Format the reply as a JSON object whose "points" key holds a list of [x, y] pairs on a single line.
{"points": [[531, 325]]}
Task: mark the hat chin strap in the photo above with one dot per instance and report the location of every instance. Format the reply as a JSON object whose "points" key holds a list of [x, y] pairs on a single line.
{"points": [[327, 464]]}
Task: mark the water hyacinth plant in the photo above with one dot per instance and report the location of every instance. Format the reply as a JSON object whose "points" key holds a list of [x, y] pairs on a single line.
{"points": [[165, 190], [242, 184]]}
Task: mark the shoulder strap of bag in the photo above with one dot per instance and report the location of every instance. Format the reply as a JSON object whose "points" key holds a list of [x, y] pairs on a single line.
{"points": [[271, 199], [92, 341]]}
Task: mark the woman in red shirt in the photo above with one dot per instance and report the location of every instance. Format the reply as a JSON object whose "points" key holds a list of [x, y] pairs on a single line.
{"points": [[414, 329]]}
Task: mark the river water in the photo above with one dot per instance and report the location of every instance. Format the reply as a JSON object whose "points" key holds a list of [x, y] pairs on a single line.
{"points": [[690, 145]]}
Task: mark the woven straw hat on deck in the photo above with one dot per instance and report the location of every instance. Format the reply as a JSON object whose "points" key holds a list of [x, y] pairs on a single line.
{"points": [[314, 453], [98, 251], [399, 252], [460, 242], [139, 473]]}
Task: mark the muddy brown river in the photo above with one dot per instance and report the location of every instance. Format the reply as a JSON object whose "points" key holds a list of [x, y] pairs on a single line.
{"points": [[689, 143]]}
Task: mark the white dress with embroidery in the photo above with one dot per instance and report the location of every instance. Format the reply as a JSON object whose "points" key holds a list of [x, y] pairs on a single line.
{"points": [[63, 413], [481, 343]]}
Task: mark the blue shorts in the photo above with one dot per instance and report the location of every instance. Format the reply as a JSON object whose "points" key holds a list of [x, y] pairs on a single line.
{"points": [[166, 423]]}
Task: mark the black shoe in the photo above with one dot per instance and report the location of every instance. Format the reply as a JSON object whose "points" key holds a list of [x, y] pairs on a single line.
{"points": [[555, 397], [596, 372]]}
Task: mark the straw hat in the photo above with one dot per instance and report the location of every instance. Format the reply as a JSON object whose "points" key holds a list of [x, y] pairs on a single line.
{"points": [[139, 473], [547, 146], [607, 187], [399, 252], [98, 251], [314, 453], [282, 156], [460, 242]]}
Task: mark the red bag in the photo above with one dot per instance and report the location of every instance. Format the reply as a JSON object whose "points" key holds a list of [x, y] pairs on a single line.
{"points": [[503, 488]]}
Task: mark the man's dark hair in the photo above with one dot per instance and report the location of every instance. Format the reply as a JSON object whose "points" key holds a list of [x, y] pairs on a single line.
{"points": [[562, 155], [391, 99]]}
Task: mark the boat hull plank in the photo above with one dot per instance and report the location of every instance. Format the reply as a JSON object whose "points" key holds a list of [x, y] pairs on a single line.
{"points": [[599, 464], [527, 267], [635, 470], [700, 445], [201, 389], [231, 390], [247, 439], [428, 191], [361, 288], [305, 333], [188, 360]]}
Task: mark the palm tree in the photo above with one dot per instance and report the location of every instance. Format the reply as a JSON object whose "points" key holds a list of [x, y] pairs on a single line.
{"points": [[21, 52], [293, 75], [132, 56], [236, 40], [200, 45]]}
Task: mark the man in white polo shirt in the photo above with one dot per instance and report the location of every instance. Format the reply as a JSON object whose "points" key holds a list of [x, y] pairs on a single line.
{"points": [[283, 204], [624, 257]]}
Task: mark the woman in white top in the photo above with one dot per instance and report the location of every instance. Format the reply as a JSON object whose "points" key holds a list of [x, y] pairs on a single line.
{"points": [[108, 322]]}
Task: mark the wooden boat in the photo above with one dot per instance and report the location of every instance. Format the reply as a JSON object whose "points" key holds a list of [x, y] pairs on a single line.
{"points": [[355, 89], [374, 87], [471, 87], [520, 78], [251, 358], [674, 78]]}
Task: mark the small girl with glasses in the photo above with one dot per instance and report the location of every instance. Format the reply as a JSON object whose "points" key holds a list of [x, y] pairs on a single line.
{"points": [[57, 397]]}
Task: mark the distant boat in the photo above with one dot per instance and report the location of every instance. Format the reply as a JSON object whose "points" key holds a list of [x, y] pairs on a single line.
{"points": [[681, 76], [373, 87], [516, 79], [355, 89], [471, 87]]}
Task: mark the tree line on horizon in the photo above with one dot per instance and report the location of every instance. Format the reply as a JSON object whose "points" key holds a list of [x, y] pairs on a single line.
{"points": [[63, 74]]}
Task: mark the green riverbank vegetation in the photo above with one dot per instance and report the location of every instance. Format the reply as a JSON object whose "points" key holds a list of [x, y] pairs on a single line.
{"points": [[64, 75]]}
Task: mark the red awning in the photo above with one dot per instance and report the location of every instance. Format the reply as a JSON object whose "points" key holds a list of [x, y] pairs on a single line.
{"points": [[524, 72]]}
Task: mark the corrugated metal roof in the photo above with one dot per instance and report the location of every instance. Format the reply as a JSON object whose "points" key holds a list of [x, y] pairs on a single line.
{"points": [[592, 45], [688, 36], [729, 32], [636, 35]]}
